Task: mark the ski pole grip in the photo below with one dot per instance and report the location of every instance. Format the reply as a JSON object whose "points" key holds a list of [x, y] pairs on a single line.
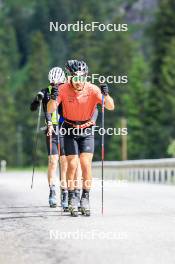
{"points": [[40, 96]]}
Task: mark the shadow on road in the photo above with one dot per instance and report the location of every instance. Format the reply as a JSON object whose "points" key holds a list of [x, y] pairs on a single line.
{"points": [[30, 216], [32, 206], [40, 213]]}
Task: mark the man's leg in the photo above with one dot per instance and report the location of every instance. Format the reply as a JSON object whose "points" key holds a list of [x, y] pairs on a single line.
{"points": [[86, 147], [63, 164], [71, 151], [86, 162], [78, 176], [63, 183], [72, 163], [78, 183], [52, 167]]}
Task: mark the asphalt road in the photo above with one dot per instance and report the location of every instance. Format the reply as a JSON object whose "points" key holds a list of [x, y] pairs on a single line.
{"points": [[138, 225]]}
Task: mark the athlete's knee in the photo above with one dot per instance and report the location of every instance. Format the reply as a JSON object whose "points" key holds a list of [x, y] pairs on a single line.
{"points": [[63, 162], [86, 162], [78, 173], [53, 161], [72, 163]]}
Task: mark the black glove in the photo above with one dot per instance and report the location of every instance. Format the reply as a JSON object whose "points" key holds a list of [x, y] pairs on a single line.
{"points": [[54, 92], [34, 105], [104, 89]]}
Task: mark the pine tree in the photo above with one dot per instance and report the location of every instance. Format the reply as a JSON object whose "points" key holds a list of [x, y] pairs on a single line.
{"points": [[116, 54], [168, 83], [37, 70], [135, 100], [86, 45], [159, 105], [8, 65]]}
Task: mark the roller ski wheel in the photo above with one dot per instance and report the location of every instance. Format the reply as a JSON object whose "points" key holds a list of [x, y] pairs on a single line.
{"points": [[73, 212], [85, 207], [77, 195], [64, 200], [72, 204], [65, 209], [52, 197], [85, 212], [53, 205]]}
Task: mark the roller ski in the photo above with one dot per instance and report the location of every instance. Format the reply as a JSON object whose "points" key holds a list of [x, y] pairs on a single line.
{"points": [[52, 197], [64, 200], [77, 195], [84, 203], [72, 204]]}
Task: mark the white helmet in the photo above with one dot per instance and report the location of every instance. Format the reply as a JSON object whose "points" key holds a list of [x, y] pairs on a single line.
{"points": [[56, 75]]}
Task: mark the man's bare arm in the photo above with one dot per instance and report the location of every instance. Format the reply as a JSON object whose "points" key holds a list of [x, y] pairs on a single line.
{"points": [[51, 106], [109, 103]]}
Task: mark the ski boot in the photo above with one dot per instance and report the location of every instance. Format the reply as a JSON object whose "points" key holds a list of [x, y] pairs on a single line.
{"points": [[72, 204], [64, 200], [77, 195], [84, 203], [52, 197]]}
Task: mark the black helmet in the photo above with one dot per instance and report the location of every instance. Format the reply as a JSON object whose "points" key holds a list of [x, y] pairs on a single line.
{"points": [[76, 67]]}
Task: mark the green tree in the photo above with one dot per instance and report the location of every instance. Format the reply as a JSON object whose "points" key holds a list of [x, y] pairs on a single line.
{"points": [[116, 54], [8, 66], [86, 45], [171, 149], [160, 104], [135, 100], [37, 71]]}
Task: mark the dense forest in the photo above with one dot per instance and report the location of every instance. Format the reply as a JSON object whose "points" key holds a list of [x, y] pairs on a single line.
{"points": [[145, 53]]}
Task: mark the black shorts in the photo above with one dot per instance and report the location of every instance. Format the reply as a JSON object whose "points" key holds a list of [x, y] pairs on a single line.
{"points": [[75, 145], [56, 142]]}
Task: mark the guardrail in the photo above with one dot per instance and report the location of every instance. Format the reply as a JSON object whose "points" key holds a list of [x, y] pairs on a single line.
{"points": [[150, 170]]}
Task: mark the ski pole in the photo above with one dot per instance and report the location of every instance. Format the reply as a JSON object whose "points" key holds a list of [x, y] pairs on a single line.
{"points": [[59, 163], [50, 147], [102, 154], [40, 97]]}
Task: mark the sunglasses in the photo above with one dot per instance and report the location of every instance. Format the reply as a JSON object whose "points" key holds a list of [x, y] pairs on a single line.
{"points": [[78, 78]]}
